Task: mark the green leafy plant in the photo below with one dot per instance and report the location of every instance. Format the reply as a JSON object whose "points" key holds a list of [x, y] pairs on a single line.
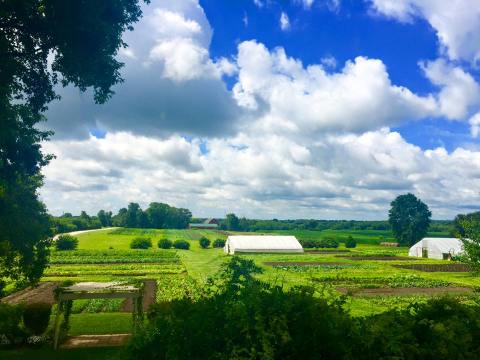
{"points": [[204, 242], [141, 243], [165, 244], [66, 242], [218, 243], [10, 319], [181, 244], [36, 317]]}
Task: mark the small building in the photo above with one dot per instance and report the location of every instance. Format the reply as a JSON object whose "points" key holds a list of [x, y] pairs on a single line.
{"points": [[207, 224], [211, 221], [437, 248], [262, 244]]}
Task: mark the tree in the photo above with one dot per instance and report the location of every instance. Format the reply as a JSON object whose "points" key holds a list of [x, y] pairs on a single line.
{"points": [[409, 218], [105, 218], [470, 226], [461, 219], [80, 39], [232, 222], [133, 215]]}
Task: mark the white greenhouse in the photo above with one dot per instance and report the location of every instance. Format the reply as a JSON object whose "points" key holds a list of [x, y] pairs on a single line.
{"points": [[437, 248], [262, 243]]}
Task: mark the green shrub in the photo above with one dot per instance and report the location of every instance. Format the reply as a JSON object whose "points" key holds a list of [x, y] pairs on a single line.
{"points": [[10, 319], [36, 317], [141, 243], [165, 244], [204, 242], [327, 242], [66, 242], [350, 242], [219, 243], [181, 244]]}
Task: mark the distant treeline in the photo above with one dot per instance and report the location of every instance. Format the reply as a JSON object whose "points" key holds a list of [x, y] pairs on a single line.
{"points": [[232, 222], [156, 216], [164, 216]]}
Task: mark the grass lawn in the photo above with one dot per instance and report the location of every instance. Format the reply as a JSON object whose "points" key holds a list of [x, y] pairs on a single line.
{"points": [[100, 323]]}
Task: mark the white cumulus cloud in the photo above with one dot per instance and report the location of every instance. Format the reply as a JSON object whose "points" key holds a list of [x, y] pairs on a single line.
{"points": [[457, 22]]}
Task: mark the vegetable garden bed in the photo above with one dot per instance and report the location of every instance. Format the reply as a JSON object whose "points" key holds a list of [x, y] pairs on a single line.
{"points": [[436, 267]]}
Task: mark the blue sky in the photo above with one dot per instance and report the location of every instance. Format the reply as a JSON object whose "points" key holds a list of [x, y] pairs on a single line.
{"points": [[322, 109], [343, 32]]}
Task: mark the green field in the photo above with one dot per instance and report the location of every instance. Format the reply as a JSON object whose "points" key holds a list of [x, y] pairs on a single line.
{"points": [[105, 255]]}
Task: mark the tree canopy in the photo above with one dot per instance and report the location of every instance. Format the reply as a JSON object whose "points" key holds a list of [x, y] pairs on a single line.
{"points": [[46, 43], [468, 229], [409, 219]]}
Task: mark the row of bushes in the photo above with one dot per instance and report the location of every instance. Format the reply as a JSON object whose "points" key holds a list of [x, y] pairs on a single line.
{"points": [[18, 322], [68, 242], [240, 317], [146, 243], [205, 243]]}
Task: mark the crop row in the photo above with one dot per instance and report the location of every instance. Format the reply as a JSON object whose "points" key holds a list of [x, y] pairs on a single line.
{"points": [[325, 267], [114, 256], [392, 281], [113, 270]]}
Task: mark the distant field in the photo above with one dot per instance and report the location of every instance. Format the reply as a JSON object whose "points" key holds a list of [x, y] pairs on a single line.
{"points": [[373, 237]]}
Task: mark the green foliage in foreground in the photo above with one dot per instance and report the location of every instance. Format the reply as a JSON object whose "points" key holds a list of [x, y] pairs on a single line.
{"points": [[240, 317], [471, 240], [36, 317], [47, 353]]}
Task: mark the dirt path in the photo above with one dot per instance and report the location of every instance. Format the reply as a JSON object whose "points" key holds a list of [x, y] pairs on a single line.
{"points": [[86, 341], [149, 297], [43, 293], [73, 233], [407, 291]]}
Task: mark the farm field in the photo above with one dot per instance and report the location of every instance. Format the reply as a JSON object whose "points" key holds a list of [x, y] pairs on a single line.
{"points": [[372, 237], [371, 278]]}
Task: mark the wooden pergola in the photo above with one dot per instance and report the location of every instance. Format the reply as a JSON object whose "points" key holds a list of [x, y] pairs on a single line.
{"points": [[95, 290]]}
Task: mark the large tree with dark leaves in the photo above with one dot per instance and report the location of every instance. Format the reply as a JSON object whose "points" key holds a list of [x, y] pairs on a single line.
{"points": [[44, 43], [409, 218]]}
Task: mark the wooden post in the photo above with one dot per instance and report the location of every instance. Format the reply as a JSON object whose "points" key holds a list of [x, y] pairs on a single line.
{"points": [[56, 327]]}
